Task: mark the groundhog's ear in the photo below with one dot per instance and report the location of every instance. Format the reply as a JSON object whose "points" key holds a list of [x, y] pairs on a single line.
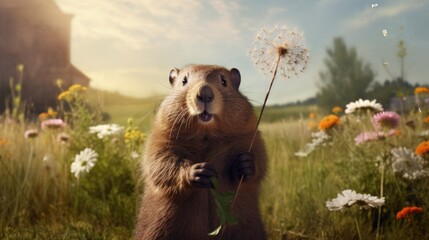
{"points": [[173, 75], [235, 78]]}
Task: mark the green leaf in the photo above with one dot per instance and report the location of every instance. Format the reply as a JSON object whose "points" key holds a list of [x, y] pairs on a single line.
{"points": [[223, 202]]}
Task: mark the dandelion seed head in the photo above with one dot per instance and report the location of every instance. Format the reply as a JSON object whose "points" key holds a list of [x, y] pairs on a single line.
{"points": [[280, 43]]}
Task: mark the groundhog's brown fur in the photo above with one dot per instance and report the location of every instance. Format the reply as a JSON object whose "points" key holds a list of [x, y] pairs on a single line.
{"points": [[202, 129]]}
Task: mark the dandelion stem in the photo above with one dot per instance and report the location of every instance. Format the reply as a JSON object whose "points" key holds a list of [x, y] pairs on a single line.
{"points": [[257, 124], [265, 101]]}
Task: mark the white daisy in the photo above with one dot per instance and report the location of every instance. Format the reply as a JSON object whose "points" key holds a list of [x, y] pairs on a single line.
{"points": [[348, 198], [106, 130], [84, 162], [283, 44], [362, 105], [407, 163]]}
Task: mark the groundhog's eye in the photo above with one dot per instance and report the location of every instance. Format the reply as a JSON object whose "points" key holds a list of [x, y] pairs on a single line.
{"points": [[185, 80], [222, 80]]}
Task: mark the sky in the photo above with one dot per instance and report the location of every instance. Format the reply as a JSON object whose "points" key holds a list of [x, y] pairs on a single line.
{"points": [[130, 46]]}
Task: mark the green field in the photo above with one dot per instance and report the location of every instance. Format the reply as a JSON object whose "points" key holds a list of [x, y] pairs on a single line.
{"points": [[41, 199]]}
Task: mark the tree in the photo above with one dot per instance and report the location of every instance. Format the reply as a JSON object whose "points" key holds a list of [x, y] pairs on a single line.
{"points": [[346, 77]]}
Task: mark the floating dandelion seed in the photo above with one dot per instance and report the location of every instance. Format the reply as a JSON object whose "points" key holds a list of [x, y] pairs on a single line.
{"points": [[384, 31], [280, 49], [374, 5]]}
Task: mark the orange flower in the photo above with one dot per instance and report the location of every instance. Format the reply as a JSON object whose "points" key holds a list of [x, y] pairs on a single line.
{"points": [[418, 90], [328, 122], [2, 141], [337, 110], [43, 116], [426, 120], [422, 148], [312, 115], [408, 212]]}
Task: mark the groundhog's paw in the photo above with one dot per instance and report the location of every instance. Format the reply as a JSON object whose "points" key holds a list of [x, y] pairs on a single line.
{"points": [[245, 166], [200, 173]]}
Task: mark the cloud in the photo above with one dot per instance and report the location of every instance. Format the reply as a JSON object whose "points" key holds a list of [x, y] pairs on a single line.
{"points": [[371, 15], [150, 23]]}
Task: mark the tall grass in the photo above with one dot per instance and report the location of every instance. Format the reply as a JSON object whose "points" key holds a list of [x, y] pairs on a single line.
{"points": [[41, 199]]}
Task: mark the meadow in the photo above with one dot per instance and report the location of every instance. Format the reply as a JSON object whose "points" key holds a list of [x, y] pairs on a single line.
{"points": [[313, 158]]}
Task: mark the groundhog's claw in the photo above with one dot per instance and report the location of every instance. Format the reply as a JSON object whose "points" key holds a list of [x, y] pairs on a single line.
{"points": [[245, 166], [200, 173]]}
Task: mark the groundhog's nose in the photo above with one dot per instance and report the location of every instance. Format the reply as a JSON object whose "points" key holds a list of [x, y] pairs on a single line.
{"points": [[205, 94]]}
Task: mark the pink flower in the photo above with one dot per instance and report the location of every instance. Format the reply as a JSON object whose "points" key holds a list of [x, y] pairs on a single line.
{"points": [[367, 136], [53, 124], [386, 119], [373, 136]]}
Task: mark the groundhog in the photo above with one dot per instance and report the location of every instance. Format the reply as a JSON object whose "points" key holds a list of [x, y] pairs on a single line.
{"points": [[203, 129]]}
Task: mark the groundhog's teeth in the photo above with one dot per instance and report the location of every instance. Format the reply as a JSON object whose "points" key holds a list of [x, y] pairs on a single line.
{"points": [[205, 116]]}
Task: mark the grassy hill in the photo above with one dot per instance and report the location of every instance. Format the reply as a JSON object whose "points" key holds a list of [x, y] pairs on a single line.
{"points": [[120, 108]]}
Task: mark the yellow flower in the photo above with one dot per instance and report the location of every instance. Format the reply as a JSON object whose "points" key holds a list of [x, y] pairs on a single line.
{"points": [[51, 112], [20, 67], [328, 122], [418, 90], [66, 95], [59, 82], [337, 110], [43, 116], [77, 88], [134, 135]]}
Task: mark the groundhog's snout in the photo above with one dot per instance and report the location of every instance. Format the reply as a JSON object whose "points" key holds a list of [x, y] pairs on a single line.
{"points": [[205, 94]]}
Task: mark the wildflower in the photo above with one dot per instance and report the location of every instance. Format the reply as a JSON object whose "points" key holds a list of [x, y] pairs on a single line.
{"points": [[51, 112], [409, 212], [135, 155], [134, 136], [328, 122], [337, 110], [106, 130], [281, 48], [43, 116], [386, 119], [63, 138], [426, 120], [407, 163], [363, 105], [59, 83], [84, 162], [318, 139], [77, 88], [3, 141], [53, 123], [422, 148], [348, 198], [312, 115], [31, 133], [20, 67], [419, 90], [66, 95], [373, 136]]}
